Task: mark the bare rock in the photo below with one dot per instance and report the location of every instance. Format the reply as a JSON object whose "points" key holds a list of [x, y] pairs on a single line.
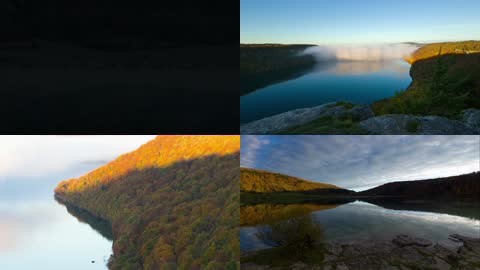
{"points": [[409, 124], [472, 118], [404, 240], [297, 117]]}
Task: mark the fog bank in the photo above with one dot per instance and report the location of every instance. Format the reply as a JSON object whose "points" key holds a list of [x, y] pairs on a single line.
{"points": [[361, 52]]}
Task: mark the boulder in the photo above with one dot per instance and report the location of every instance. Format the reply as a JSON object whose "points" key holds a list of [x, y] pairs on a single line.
{"points": [[302, 116], [409, 124], [472, 118], [404, 240]]}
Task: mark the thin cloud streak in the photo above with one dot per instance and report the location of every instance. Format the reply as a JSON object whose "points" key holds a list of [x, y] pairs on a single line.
{"points": [[361, 162]]}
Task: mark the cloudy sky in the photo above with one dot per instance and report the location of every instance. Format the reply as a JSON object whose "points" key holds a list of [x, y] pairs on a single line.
{"points": [[362, 162], [41, 156]]}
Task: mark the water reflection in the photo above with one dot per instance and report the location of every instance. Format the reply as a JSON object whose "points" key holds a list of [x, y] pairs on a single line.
{"points": [[263, 224], [357, 81], [38, 233], [397, 68], [103, 227], [293, 235]]}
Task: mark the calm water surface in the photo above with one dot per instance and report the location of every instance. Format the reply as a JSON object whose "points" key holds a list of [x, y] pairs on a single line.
{"points": [[36, 232], [358, 81], [359, 221]]}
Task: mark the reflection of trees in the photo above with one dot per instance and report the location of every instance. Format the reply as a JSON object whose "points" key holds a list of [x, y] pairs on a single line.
{"points": [[299, 232], [100, 225], [296, 238], [271, 213]]}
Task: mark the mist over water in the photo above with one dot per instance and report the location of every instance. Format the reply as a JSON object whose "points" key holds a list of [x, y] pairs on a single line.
{"points": [[385, 52]]}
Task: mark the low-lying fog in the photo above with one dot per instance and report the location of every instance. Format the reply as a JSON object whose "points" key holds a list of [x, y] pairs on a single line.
{"points": [[361, 52]]}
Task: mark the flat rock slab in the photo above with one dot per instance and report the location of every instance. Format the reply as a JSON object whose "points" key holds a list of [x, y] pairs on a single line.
{"points": [[408, 124], [403, 240], [404, 252], [302, 116]]}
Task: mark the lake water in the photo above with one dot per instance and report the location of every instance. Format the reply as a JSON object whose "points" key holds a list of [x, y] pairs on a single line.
{"points": [[360, 221], [36, 232], [356, 81]]}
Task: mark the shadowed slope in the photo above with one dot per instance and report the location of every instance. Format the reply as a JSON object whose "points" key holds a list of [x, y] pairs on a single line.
{"points": [[453, 187], [173, 203]]}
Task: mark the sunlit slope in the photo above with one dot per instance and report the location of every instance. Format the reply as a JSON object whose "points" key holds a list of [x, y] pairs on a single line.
{"points": [[253, 180], [435, 49], [173, 203]]}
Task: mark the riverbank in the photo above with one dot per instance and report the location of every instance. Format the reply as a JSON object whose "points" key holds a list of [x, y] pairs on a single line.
{"points": [[403, 252]]}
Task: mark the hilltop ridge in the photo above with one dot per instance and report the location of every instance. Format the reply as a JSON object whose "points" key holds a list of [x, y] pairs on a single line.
{"points": [[255, 180]]}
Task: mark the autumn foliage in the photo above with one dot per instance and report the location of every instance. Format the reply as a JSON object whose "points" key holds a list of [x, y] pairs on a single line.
{"points": [[440, 48], [254, 180], [173, 203]]}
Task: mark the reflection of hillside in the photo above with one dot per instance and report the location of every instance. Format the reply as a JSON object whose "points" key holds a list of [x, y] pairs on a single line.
{"points": [[272, 213], [100, 225], [455, 208]]}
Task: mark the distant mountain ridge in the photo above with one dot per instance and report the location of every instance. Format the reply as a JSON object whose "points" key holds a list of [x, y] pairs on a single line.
{"points": [[255, 180], [460, 186]]}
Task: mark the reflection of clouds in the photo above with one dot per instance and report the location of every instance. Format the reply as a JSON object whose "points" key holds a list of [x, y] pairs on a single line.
{"points": [[363, 161], [362, 67], [361, 221], [8, 234], [19, 221], [249, 239], [366, 221]]}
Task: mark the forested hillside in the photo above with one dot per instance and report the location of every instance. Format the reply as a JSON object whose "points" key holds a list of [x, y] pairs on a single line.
{"points": [[265, 64], [253, 180], [445, 81], [440, 48], [453, 187], [173, 203]]}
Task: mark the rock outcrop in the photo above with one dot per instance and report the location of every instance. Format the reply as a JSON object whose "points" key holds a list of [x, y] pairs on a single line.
{"points": [[393, 124], [472, 118], [297, 117], [409, 124], [402, 253]]}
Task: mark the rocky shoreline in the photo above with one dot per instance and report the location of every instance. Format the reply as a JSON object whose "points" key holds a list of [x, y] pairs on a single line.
{"points": [[404, 252], [468, 123]]}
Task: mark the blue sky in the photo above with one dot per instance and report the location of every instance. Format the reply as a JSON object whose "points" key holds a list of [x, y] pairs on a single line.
{"points": [[353, 21], [362, 162]]}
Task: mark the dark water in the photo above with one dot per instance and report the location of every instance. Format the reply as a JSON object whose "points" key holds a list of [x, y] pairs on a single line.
{"points": [[358, 81], [36, 232], [360, 221]]}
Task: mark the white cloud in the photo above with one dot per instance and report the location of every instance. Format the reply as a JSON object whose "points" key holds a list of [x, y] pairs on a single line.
{"points": [[358, 162], [41, 155]]}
